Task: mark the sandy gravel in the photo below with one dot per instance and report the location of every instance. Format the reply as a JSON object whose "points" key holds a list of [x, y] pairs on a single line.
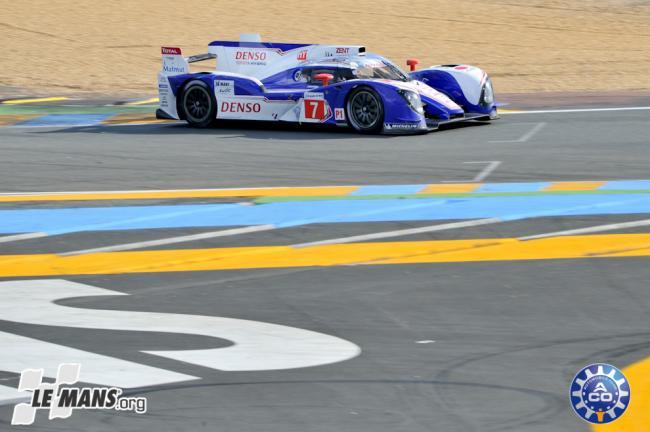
{"points": [[112, 47]]}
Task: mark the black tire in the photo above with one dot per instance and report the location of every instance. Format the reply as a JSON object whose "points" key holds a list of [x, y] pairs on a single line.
{"points": [[198, 104], [364, 110]]}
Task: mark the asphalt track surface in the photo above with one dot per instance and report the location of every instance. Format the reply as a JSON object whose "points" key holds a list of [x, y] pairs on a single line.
{"points": [[464, 345]]}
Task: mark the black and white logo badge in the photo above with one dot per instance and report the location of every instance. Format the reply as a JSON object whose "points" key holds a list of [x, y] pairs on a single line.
{"points": [[60, 398]]}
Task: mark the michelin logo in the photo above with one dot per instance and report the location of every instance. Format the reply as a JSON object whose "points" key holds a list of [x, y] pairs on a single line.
{"points": [[61, 401], [404, 126]]}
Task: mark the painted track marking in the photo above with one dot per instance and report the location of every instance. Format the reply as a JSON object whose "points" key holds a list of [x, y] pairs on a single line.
{"points": [[173, 240], [492, 165], [400, 233], [577, 110], [290, 191], [379, 253], [589, 230], [34, 100], [525, 137], [96, 368], [289, 214], [24, 236], [482, 175], [256, 345]]}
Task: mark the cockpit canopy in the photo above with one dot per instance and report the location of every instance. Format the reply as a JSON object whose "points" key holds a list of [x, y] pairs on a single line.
{"points": [[366, 67]]}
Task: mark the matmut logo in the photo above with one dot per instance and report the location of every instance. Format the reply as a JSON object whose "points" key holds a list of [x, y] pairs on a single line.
{"points": [[170, 50], [61, 401]]}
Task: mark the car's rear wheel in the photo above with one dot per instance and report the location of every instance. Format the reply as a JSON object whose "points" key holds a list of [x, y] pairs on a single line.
{"points": [[365, 110], [198, 104]]}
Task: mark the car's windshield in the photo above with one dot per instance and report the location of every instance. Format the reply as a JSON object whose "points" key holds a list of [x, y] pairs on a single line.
{"points": [[378, 68]]}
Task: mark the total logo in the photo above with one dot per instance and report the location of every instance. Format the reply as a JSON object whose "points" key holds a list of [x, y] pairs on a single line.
{"points": [[600, 393], [170, 50], [240, 107]]}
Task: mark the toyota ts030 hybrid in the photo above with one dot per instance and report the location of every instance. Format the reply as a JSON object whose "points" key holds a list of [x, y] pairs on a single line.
{"points": [[327, 84]]}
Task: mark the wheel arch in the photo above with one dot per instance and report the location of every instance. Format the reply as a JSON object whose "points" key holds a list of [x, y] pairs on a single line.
{"points": [[181, 85], [369, 85]]}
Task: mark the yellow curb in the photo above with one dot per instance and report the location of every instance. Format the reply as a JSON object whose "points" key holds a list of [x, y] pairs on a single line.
{"points": [[34, 100], [128, 118], [637, 416], [144, 102], [574, 186], [381, 253], [9, 120], [451, 188]]}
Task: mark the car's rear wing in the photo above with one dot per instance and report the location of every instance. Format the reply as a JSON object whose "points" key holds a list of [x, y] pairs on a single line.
{"points": [[174, 63], [200, 57]]}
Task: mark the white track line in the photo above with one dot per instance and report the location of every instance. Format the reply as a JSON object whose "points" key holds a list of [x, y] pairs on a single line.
{"points": [[528, 135], [399, 233], [525, 137], [172, 240], [587, 230], [576, 110], [25, 236], [492, 165]]}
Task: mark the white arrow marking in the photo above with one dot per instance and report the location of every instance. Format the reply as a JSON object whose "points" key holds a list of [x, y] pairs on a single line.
{"points": [[257, 345], [22, 352]]}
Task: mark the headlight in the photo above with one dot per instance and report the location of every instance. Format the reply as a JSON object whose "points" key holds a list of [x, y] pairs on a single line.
{"points": [[488, 92], [413, 99]]}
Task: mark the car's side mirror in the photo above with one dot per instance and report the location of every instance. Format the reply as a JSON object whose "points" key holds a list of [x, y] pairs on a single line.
{"points": [[412, 63], [324, 78]]}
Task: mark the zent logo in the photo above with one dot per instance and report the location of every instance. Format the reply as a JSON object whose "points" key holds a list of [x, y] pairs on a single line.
{"points": [[600, 393], [302, 55], [342, 50]]}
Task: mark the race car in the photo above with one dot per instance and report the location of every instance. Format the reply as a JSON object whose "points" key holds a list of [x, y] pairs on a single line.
{"points": [[326, 84]]}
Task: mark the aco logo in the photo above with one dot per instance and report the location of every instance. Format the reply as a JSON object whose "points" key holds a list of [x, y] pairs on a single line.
{"points": [[600, 393]]}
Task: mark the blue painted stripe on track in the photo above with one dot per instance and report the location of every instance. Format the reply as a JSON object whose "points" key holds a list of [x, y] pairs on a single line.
{"points": [[66, 120], [626, 185], [513, 187], [389, 189], [284, 214]]}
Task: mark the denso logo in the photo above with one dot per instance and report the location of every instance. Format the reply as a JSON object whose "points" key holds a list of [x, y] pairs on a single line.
{"points": [[342, 50], [244, 107], [250, 55]]}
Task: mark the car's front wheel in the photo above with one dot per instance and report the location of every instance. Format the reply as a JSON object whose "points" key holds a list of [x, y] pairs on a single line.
{"points": [[198, 104], [365, 110]]}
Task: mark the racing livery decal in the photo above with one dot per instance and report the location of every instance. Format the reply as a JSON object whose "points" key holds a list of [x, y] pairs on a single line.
{"points": [[306, 83]]}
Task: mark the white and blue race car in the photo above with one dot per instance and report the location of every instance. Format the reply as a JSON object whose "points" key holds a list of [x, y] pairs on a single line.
{"points": [[326, 84]]}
